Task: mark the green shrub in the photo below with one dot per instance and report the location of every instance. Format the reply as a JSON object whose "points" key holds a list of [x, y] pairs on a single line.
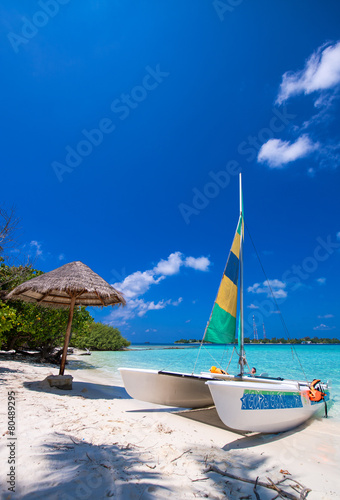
{"points": [[99, 337]]}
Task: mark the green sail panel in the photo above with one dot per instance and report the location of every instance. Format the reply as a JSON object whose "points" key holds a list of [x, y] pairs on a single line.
{"points": [[222, 327]]}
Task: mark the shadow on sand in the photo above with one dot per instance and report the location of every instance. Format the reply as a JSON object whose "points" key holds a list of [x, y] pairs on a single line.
{"points": [[86, 390], [4, 371], [80, 470], [209, 416]]}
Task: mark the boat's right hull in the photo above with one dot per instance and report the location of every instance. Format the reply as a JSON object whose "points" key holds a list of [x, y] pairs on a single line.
{"points": [[260, 407]]}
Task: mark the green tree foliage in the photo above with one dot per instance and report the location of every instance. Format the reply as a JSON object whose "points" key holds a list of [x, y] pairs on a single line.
{"points": [[42, 328], [7, 320], [99, 337]]}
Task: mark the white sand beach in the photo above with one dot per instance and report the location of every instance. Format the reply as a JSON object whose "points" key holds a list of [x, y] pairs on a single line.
{"points": [[96, 442]]}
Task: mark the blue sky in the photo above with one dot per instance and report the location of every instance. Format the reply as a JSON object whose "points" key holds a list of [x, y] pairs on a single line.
{"points": [[124, 126]]}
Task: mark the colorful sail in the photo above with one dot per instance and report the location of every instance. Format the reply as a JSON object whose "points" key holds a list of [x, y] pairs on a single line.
{"points": [[221, 328]]}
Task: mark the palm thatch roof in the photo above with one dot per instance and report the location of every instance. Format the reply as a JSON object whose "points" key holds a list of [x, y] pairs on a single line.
{"points": [[55, 288]]}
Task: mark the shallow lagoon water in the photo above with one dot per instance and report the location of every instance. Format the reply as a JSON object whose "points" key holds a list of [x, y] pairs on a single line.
{"points": [[287, 361]]}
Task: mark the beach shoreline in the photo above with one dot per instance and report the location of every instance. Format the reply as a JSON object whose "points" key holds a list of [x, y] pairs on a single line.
{"points": [[97, 442]]}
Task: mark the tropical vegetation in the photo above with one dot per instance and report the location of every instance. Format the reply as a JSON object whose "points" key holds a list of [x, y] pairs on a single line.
{"points": [[26, 326]]}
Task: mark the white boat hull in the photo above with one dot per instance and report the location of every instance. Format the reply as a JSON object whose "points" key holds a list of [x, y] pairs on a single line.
{"points": [[262, 407], [167, 388]]}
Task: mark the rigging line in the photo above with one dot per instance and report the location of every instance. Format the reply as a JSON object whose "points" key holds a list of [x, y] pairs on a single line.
{"points": [[212, 357], [231, 357], [275, 301], [225, 352], [198, 354]]}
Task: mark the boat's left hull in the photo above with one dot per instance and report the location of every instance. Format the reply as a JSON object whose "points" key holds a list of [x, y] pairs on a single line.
{"points": [[167, 388], [261, 407]]}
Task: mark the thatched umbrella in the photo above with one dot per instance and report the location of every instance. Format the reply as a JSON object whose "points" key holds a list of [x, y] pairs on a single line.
{"points": [[73, 284]]}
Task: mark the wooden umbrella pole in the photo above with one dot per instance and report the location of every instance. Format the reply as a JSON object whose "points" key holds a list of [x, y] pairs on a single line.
{"points": [[67, 336]]}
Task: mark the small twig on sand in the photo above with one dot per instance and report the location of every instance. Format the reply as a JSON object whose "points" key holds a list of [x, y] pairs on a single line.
{"points": [[276, 488], [184, 452], [272, 486], [300, 488], [150, 466], [88, 456], [256, 493], [74, 441], [304, 493]]}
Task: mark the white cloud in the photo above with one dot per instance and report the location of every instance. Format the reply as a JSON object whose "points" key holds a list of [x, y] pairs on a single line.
{"points": [[199, 263], [134, 307], [275, 287], [321, 281], [61, 256], [326, 316], [137, 283], [37, 246], [138, 307], [323, 327], [141, 307], [321, 72], [338, 236], [169, 266], [277, 153], [173, 263], [253, 306], [320, 78], [178, 301]]}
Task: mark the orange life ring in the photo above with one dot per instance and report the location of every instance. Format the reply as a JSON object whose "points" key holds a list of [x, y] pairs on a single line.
{"points": [[315, 394]]}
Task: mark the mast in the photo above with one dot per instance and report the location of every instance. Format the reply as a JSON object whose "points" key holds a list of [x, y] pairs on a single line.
{"points": [[241, 281]]}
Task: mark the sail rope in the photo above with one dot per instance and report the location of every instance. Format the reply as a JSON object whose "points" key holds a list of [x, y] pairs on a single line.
{"points": [[225, 352], [212, 357], [231, 357], [276, 304], [198, 354]]}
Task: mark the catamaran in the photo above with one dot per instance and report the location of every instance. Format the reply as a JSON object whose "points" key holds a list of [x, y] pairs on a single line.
{"points": [[243, 402]]}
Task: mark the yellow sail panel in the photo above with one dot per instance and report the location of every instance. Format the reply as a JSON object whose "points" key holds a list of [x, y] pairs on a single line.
{"points": [[227, 296], [236, 245]]}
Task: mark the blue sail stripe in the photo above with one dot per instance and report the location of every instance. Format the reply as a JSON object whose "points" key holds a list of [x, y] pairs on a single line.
{"points": [[231, 270]]}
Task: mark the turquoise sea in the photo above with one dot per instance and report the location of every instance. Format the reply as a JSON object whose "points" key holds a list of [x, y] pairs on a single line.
{"points": [[299, 362]]}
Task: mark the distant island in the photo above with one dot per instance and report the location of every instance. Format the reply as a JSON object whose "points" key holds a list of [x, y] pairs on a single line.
{"points": [[274, 340]]}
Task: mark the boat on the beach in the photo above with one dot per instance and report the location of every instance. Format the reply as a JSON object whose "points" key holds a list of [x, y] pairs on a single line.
{"points": [[244, 402]]}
